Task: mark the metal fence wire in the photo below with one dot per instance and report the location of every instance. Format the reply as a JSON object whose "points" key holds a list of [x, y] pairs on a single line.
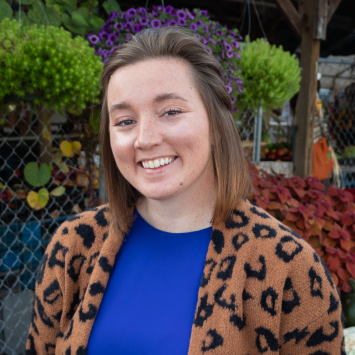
{"points": [[34, 135], [337, 92]]}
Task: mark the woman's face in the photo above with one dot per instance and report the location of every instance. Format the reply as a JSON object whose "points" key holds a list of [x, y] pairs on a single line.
{"points": [[159, 128]]}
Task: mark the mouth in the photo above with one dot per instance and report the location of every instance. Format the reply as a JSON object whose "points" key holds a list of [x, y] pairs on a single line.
{"points": [[157, 163]]}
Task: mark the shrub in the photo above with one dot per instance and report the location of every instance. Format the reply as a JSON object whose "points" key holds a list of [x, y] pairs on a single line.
{"points": [[326, 220], [49, 65]]}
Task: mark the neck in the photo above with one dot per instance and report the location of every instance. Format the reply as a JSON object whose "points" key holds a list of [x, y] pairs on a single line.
{"points": [[189, 211]]}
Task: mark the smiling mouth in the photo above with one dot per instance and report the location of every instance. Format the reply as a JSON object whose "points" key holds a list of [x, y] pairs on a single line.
{"points": [[154, 164]]}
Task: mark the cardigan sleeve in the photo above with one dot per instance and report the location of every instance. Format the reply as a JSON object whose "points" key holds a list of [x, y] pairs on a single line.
{"points": [[47, 300]]}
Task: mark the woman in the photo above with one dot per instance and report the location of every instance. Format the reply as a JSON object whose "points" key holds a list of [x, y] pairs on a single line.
{"points": [[178, 261]]}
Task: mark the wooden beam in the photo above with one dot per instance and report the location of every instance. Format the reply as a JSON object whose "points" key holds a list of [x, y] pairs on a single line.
{"points": [[332, 8], [292, 15], [307, 95], [320, 19]]}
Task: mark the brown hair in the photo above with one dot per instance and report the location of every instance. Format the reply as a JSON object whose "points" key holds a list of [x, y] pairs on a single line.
{"points": [[230, 165]]}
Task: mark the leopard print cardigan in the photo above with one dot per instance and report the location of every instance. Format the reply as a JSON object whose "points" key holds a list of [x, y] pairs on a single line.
{"points": [[263, 291]]}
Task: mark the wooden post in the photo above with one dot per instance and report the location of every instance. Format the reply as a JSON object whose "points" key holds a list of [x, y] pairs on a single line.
{"points": [[307, 96]]}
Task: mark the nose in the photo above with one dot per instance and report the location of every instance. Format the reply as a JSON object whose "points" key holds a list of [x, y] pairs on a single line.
{"points": [[148, 134]]}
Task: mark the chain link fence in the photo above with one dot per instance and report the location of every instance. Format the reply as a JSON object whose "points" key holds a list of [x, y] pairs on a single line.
{"points": [[337, 92], [35, 135]]}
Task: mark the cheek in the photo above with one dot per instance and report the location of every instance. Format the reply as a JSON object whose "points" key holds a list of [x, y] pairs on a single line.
{"points": [[122, 147]]}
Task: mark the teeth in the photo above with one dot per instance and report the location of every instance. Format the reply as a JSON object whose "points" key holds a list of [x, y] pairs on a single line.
{"points": [[156, 163]]}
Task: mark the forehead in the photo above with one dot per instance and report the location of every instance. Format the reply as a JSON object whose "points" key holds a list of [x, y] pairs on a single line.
{"points": [[149, 78]]}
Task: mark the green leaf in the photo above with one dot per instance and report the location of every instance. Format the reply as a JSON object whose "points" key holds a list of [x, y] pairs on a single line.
{"points": [[5, 10], [78, 19], [37, 176], [46, 14], [26, 2], [50, 167], [71, 26], [33, 18], [97, 22], [23, 18], [84, 12], [43, 197], [95, 120], [114, 4], [58, 191]]}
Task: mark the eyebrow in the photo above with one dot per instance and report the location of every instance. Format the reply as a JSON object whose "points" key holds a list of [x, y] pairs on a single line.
{"points": [[159, 98]]}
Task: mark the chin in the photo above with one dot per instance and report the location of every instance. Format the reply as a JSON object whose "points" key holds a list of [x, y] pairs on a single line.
{"points": [[159, 194]]}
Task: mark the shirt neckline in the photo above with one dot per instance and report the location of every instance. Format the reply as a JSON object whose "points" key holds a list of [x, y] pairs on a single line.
{"points": [[140, 219]]}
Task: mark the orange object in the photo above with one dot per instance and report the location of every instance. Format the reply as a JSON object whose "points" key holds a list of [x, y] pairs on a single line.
{"points": [[322, 164]]}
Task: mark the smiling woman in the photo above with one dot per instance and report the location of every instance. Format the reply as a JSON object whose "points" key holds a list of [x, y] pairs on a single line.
{"points": [[178, 261]]}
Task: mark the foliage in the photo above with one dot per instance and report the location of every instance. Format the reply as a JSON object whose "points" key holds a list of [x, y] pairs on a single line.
{"points": [[49, 65], [38, 176], [220, 41], [326, 220], [77, 16], [270, 75]]}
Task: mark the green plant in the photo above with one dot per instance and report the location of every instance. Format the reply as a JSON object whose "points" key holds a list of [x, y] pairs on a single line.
{"points": [[326, 220], [77, 16], [38, 177], [48, 64], [270, 75]]}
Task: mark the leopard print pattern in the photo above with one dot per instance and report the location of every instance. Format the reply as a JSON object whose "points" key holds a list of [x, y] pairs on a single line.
{"points": [[263, 290]]}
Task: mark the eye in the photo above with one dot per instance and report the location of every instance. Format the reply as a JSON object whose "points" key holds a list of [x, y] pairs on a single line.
{"points": [[172, 112], [124, 123]]}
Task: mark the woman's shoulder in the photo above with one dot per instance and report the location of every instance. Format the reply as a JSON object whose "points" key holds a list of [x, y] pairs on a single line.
{"points": [[81, 234]]}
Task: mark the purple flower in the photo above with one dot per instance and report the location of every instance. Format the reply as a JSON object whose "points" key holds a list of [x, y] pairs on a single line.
{"points": [[220, 33], [131, 12], [227, 46], [204, 13], [209, 50], [137, 28], [144, 21], [112, 38], [104, 53], [123, 15], [118, 26], [156, 23], [181, 14], [204, 41], [205, 28], [172, 23], [128, 25], [181, 22], [193, 27], [237, 55], [102, 35], [198, 36], [112, 16], [193, 13], [93, 39], [212, 40], [189, 15], [223, 54], [218, 58], [153, 14], [229, 54], [172, 12], [168, 8], [160, 8], [199, 23], [229, 89], [142, 11], [109, 43]]}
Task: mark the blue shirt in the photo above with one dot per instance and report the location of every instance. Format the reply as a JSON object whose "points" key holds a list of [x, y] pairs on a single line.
{"points": [[150, 300]]}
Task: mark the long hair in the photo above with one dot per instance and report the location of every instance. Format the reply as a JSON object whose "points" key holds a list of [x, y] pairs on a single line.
{"points": [[229, 162]]}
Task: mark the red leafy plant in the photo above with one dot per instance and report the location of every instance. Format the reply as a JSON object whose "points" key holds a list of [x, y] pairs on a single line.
{"points": [[325, 219]]}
